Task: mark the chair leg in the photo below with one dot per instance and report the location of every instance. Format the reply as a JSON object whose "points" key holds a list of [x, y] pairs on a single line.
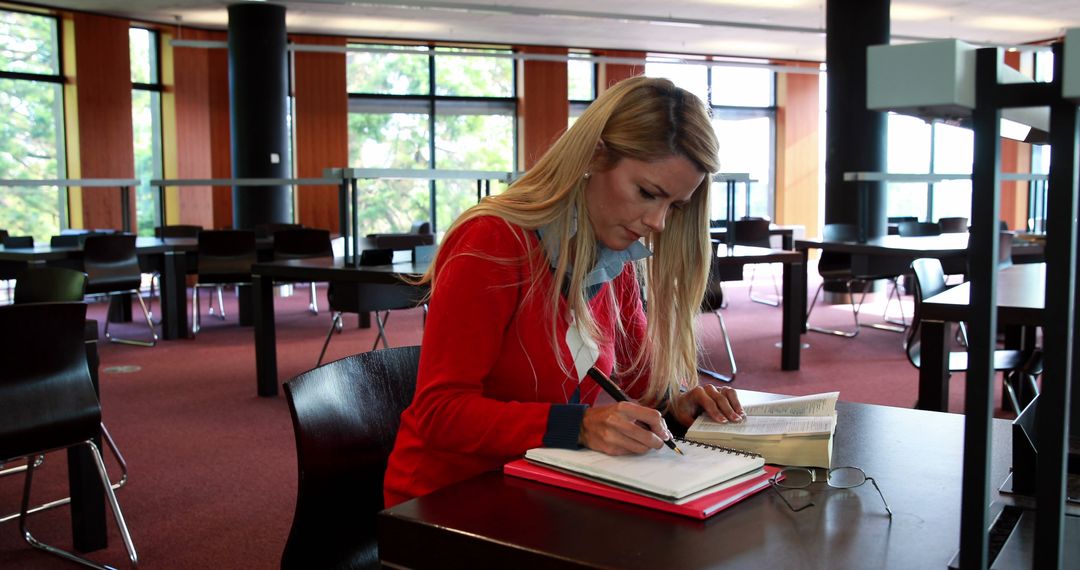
{"points": [[61, 502], [730, 354], [335, 324], [195, 325], [149, 323], [117, 514], [774, 302], [854, 309], [381, 323], [314, 305], [220, 302], [38, 460]]}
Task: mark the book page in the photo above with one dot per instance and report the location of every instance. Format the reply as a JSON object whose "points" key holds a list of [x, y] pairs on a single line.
{"points": [[660, 472], [764, 426], [813, 405]]}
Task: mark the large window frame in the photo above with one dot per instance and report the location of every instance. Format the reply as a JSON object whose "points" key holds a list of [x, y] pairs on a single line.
{"points": [[433, 105], [148, 210], [56, 80]]}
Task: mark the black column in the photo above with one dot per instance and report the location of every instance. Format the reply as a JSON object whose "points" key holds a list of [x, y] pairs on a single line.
{"points": [[258, 87], [854, 136]]}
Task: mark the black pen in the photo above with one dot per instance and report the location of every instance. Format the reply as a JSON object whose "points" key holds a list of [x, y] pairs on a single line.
{"points": [[619, 396]]}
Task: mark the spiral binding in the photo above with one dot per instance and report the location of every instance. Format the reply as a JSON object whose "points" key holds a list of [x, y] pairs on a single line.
{"points": [[718, 447]]}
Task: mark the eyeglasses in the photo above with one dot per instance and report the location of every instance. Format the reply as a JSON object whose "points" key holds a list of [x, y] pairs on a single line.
{"points": [[838, 478]]}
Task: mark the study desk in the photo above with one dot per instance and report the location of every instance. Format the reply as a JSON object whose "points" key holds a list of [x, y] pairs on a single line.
{"points": [[915, 456], [1020, 300], [263, 276], [794, 281], [786, 233]]}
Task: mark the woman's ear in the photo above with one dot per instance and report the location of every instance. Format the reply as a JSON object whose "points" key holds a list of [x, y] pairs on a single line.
{"points": [[600, 156]]}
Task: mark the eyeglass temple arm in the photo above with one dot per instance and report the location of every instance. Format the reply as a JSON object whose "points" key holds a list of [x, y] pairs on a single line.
{"points": [[880, 494]]}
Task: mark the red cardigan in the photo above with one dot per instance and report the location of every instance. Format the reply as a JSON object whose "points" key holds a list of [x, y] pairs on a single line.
{"points": [[489, 379]]}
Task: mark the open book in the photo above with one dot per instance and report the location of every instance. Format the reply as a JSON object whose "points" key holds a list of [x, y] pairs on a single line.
{"points": [[659, 473], [791, 431]]}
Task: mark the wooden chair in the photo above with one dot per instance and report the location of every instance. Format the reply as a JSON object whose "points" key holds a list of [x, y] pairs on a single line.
{"points": [[303, 243], [755, 232], [112, 268], [712, 303], [48, 403], [929, 281], [225, 257], [345, 417]]}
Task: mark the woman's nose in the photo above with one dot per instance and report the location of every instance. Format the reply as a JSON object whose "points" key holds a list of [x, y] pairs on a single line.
{"points": [[655, 219]]}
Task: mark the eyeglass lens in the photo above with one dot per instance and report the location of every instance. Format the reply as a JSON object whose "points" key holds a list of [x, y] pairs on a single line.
{"points": [[846, 477], [794, 477]]}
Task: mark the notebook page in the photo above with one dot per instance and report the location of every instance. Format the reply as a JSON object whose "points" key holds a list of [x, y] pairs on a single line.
{"points": [[813, 405], [661, 471]]}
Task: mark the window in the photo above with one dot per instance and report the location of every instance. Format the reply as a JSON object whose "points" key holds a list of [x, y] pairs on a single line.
{"points": [[744, 118], [31, 124], [918, 147], [146, 125], [581, 85], [400, 118]]}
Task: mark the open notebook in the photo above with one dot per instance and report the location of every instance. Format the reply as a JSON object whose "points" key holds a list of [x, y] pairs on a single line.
{"points": [[660, 473]]}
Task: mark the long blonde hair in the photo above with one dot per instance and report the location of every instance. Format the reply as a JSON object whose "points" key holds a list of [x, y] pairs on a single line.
{"points": [[644, 119]]}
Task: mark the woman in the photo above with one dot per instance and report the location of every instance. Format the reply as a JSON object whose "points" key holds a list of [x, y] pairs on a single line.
{"points": [[531, 287]]}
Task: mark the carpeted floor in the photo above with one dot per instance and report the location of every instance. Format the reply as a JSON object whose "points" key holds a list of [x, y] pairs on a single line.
{"points": [[213, 467]]}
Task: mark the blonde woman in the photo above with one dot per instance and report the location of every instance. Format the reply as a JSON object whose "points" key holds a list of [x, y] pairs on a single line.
{"points": [[531, 287]]}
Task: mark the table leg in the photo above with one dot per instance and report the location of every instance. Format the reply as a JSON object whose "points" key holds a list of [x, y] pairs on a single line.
{"points": [[265, 336], [244, 305], [174, 296], [793, 319], [934, 366], [87, 495], [801, 297]]}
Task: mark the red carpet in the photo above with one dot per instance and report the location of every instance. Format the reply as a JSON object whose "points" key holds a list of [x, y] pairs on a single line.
{"points": [[213, 466]]}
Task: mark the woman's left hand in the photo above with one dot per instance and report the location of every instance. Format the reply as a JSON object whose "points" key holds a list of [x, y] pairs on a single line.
{"points": [[720, 403]]}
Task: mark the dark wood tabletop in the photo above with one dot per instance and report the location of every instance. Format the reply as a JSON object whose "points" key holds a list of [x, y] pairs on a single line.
{"points": [[915, 457]]}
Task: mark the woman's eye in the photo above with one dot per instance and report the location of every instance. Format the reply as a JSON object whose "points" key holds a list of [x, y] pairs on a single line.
{"points": [[645, 194], [680, 206]]}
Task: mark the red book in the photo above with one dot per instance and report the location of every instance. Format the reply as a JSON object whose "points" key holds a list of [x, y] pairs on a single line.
{"points": [[699, 507]]}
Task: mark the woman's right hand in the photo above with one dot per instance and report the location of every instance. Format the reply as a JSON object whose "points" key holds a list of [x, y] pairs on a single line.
{"points": [[623, 428]]}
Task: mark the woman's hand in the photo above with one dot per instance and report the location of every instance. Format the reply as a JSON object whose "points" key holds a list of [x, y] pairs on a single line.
{"points": [[623, 428], [720, 403]]}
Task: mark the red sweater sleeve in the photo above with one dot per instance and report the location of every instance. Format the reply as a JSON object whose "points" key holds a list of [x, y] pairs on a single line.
{"points": [[480, 281]]}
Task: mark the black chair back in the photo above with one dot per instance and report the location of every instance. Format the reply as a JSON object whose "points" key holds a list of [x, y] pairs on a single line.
{"points": [[18, 241], [345, 417], [177, 231], [50, 285], [269, 229], [955, 225], [226, 256], [111, 263], [421, 227], [714, 292], [300, 243], [46, 397], [752, 231], [349, 297], [833, 264], [911, 229], [929, 281]]}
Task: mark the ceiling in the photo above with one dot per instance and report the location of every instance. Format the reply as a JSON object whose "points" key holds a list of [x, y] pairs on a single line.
{"points": [[787, 29]]}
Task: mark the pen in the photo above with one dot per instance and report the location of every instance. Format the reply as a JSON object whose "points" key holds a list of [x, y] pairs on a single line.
{"points": [[619, 396]]}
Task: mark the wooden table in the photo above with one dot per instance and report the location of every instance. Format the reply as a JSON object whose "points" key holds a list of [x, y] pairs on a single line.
{"points": [[794, 281], [319, 269], [1020, 301], [915, 457]]}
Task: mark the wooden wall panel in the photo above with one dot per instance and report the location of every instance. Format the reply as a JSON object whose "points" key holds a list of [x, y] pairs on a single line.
{"points": [[106, 148], [322, 128], [797, 169], [1015, 157], [193, 152], [217, 61], [612, 73], [543, 105]]}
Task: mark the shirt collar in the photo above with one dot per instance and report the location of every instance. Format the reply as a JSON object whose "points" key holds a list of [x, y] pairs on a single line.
{"points": [[609, 263]]}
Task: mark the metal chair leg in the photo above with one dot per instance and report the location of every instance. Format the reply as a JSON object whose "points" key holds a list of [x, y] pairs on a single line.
{"points": [[313, 306], [381, 323], [38, 460], [221, 303], [335, 324], [117, 514], [774, 302], [149, 323], [730, 354], [195, 325], [892, 325], [854, 310], [61, 502]]}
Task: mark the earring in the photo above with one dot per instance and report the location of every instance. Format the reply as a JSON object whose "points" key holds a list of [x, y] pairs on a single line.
{"points": [[587, 175]]}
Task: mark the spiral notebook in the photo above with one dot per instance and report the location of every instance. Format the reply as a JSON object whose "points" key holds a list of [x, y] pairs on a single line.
{"points": [[659, 473]]}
